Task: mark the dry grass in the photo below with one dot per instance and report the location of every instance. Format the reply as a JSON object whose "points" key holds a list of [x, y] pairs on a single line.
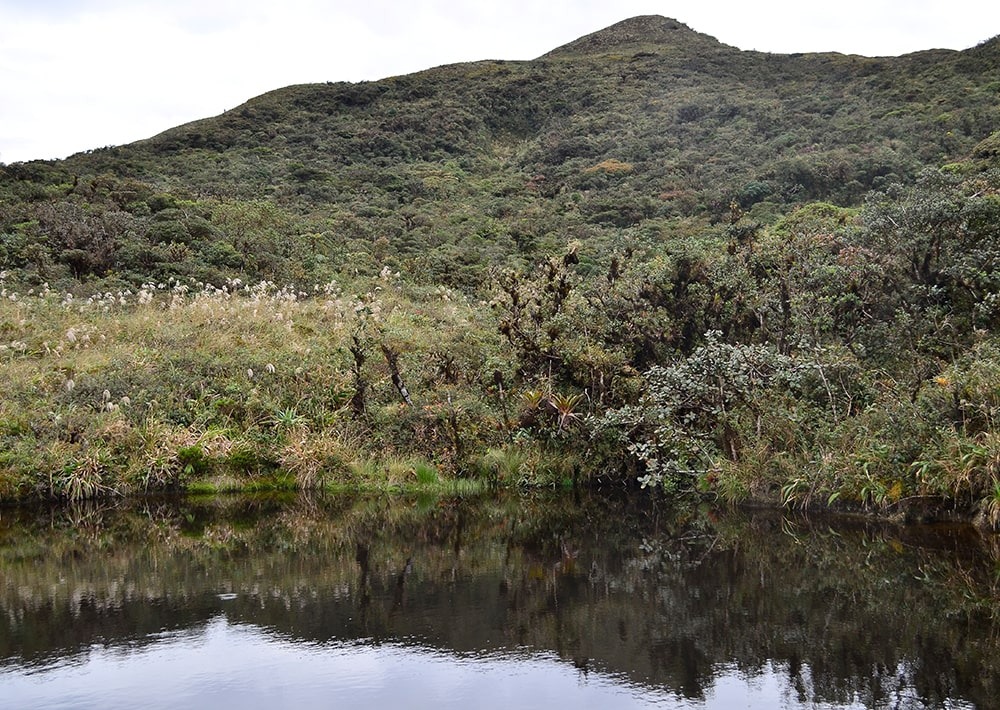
{"points": [[316, 458], [176, 383]]}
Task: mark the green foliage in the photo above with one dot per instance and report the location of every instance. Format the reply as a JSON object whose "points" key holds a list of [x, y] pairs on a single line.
{"points": [[687, 416], [425, 473], [505, 465], [446, 173], [192, 460], [644, 255]]}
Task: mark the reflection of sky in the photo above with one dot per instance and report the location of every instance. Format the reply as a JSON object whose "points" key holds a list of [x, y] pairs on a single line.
{"points": [[226, 665]]}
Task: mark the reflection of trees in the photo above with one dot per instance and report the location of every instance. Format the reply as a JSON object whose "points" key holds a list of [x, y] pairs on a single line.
{"points": [[666, 597]]}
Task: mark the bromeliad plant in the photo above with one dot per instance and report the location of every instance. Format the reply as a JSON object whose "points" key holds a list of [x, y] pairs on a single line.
{"points": [[566, 410]]}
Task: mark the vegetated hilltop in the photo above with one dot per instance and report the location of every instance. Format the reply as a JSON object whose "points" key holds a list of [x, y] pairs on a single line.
{"points": [[644, 254], [646, 126]]}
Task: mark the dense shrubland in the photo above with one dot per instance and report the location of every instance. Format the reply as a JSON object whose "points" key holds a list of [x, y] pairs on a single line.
{"points": [[673, 262]]}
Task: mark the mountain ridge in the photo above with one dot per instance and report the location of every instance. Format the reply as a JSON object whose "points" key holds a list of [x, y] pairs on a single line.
{"points": [[651, 39], [639, 126]]}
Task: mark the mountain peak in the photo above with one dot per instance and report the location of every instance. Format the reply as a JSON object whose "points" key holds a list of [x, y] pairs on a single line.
{"points": [[645, 32]]}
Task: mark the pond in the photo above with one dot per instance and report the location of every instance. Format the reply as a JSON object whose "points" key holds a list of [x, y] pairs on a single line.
{"points": [[555, 601]]}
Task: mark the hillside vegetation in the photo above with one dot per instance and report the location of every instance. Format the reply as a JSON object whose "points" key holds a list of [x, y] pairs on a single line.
{"points": [[643, 256]]}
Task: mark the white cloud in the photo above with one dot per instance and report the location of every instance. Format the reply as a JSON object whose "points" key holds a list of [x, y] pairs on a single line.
{"points": [[79, 75]]}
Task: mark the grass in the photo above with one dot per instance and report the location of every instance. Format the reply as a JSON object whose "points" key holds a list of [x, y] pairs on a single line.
{"points": [[239, 388], [251, 388]]}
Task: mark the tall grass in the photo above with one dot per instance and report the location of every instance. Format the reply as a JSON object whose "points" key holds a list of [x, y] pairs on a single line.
{"points": [[182, 385]]}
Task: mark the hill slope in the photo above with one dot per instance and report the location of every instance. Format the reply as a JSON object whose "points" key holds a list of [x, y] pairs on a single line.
{"points": [[643, 255], [641, 125]]}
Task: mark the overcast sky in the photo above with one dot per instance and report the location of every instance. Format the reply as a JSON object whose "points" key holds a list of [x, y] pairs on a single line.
{"points": [[81, 74]]}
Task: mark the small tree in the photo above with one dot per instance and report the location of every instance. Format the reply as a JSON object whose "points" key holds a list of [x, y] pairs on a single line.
{"points": [[687, 416]]}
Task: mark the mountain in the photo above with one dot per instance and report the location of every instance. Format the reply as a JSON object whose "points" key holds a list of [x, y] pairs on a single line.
{"points": [[644, 126], [644, 255], [646, 33]]}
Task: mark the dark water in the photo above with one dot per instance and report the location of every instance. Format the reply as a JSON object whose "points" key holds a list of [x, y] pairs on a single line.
{"points": [[537, 602]]}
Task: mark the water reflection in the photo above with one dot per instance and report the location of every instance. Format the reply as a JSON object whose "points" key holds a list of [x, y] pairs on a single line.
{"points": [[554, 602], [234, 665]]}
